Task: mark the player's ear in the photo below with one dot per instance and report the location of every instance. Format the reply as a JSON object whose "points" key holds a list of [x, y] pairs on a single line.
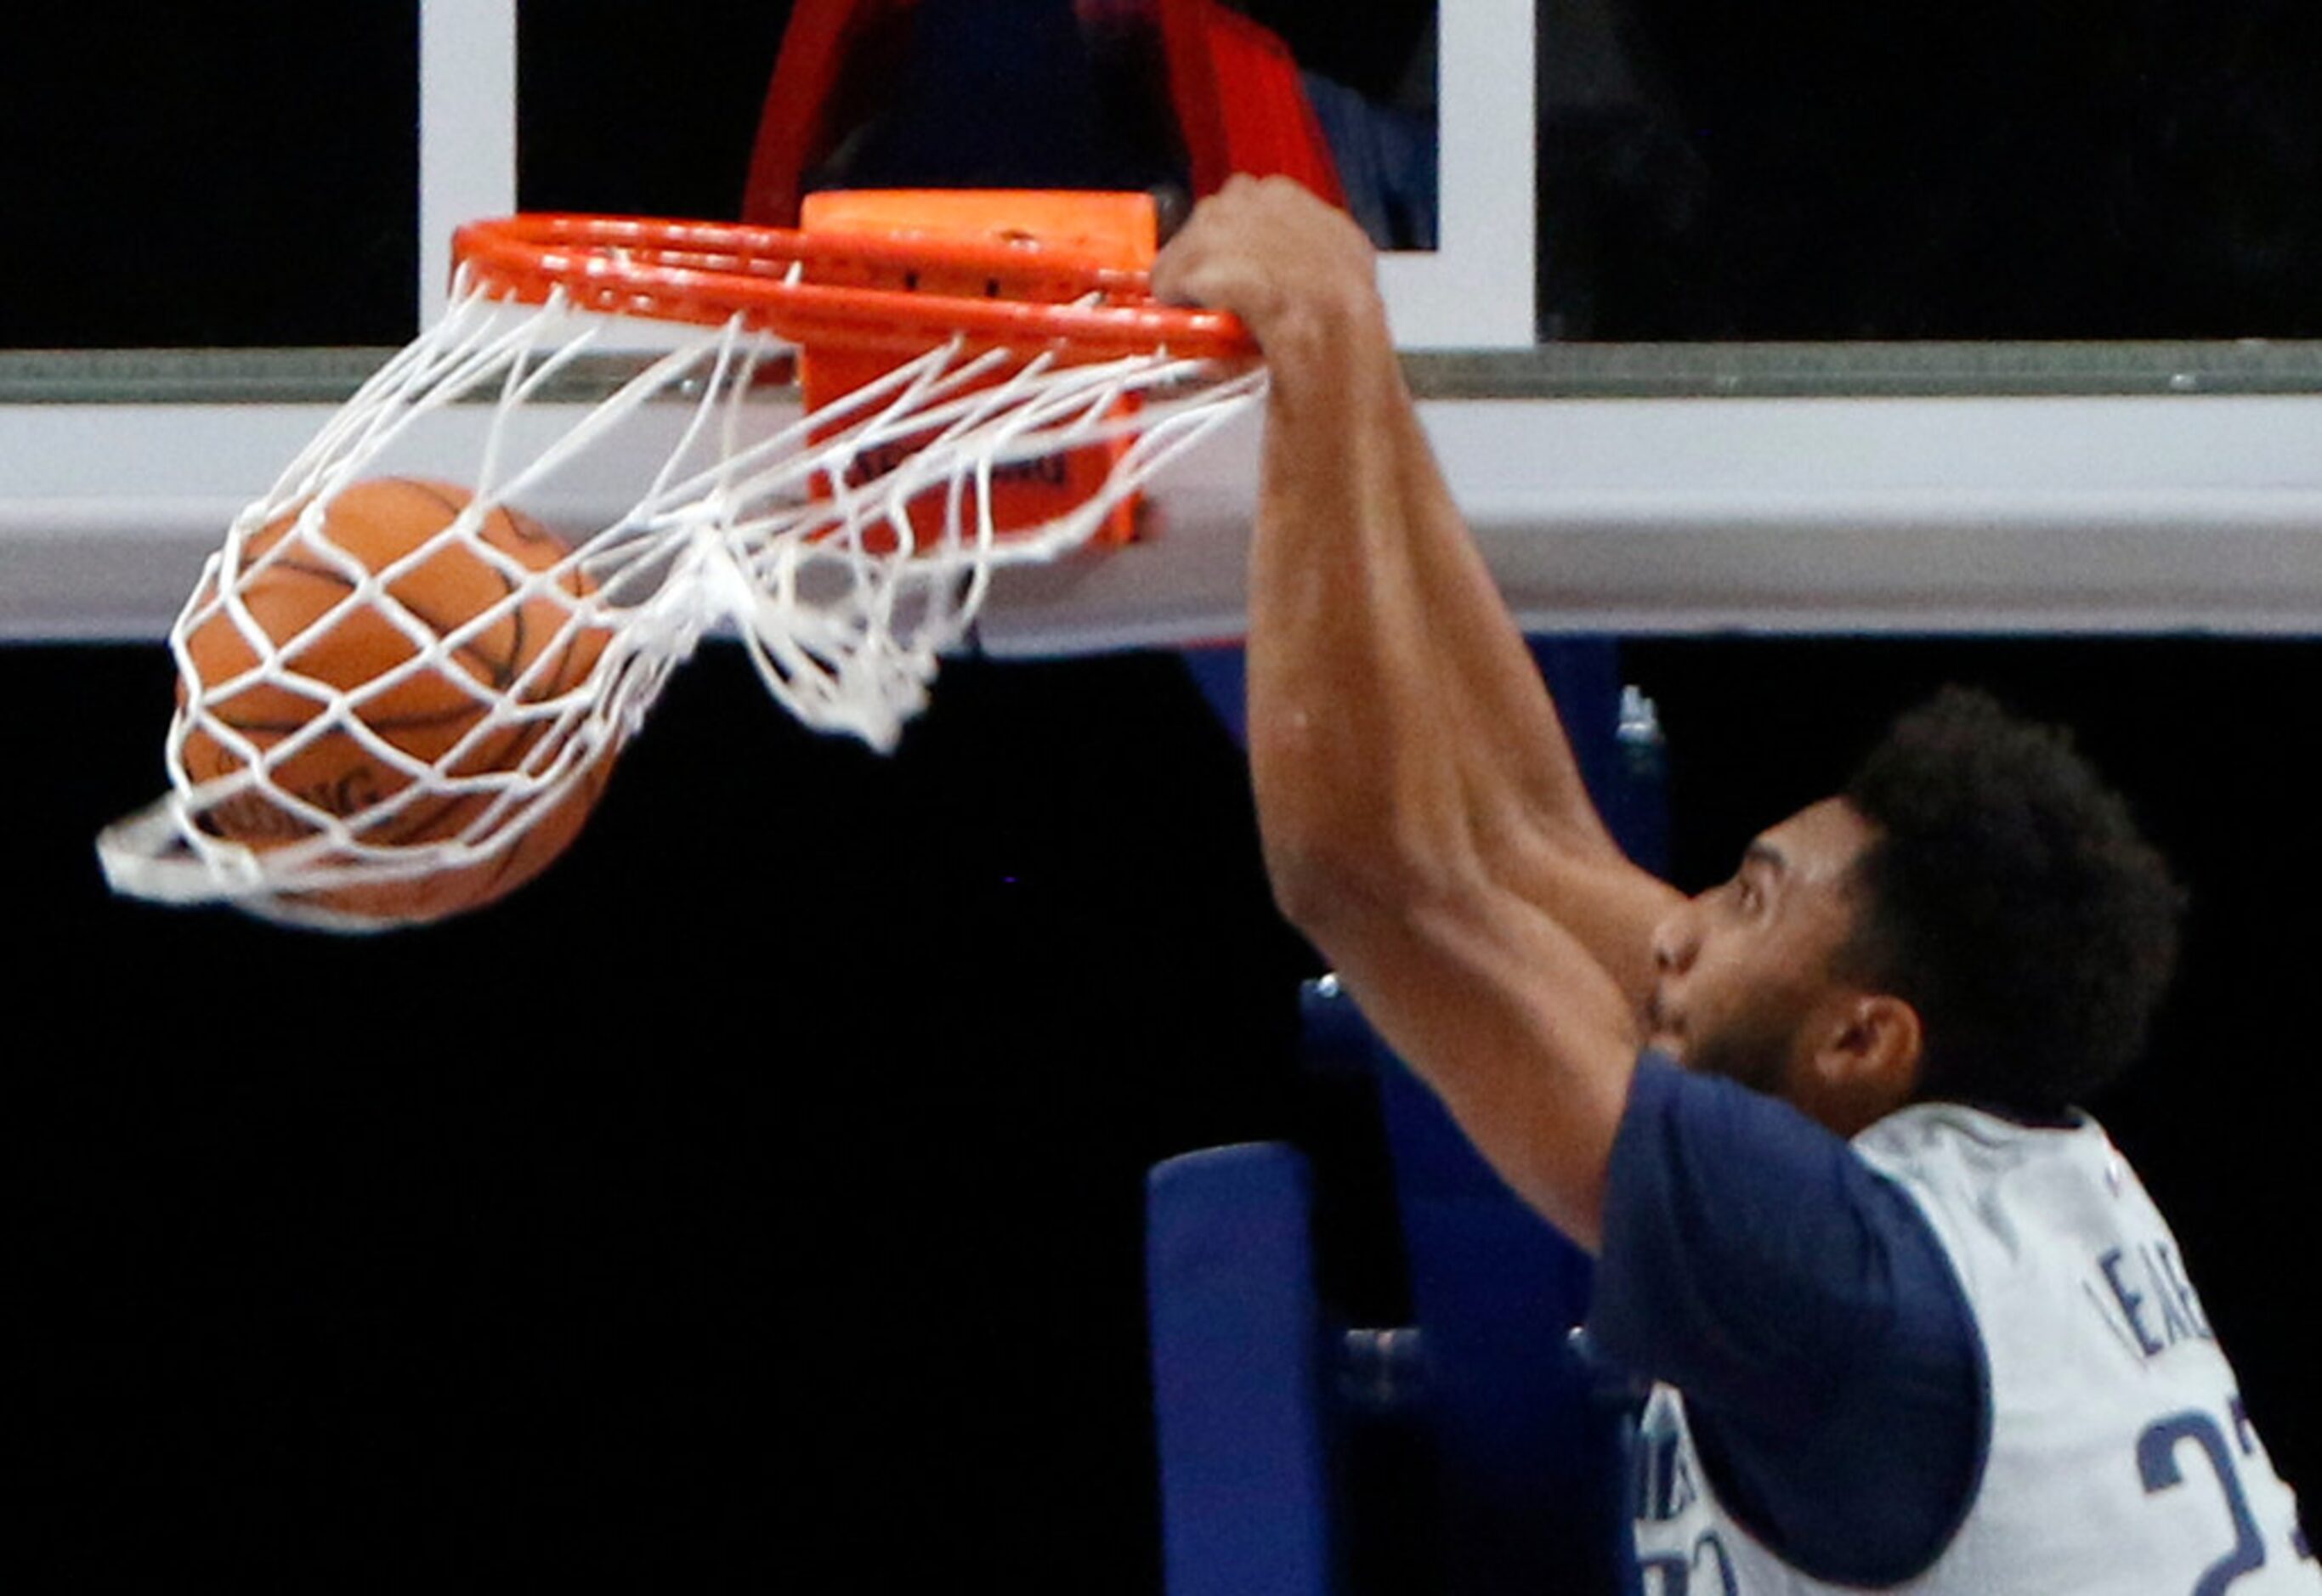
{"points": [[1871, 1054]]}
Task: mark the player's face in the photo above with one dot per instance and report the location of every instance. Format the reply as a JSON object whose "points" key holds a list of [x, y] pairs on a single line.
{"points": [[1742, 972]]}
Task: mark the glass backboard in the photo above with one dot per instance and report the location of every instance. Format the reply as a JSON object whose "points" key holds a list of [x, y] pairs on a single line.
{"points": [[1968, 321]]}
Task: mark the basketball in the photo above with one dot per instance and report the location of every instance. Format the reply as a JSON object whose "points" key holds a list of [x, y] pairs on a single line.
{"points": [[451, 634]]}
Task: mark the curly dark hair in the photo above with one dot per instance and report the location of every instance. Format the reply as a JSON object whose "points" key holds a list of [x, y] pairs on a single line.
{"points": [[2009, 898]]}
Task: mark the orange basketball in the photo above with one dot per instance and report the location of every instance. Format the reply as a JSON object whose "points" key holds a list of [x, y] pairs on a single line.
{"points": [[298, 596]]}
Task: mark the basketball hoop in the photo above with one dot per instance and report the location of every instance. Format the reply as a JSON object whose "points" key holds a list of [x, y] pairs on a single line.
{"points": [[848, 544], [847, 290]]}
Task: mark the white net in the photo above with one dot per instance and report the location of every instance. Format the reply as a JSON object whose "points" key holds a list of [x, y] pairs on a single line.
{"points": [[393, 709]]}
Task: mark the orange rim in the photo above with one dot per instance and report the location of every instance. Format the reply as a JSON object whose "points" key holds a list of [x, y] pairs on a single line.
{"points": [[1037, 298]]}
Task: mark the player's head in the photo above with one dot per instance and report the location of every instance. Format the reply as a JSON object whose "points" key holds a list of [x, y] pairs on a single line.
{"points": [[2010, 899], [1975, 916]]}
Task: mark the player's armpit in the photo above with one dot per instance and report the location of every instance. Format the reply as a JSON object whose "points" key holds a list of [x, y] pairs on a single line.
{"points": [[1585, 883], [1529, 1042]]}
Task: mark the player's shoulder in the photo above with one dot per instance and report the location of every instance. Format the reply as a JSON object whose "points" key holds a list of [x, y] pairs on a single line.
{"points": [[1986, 1142], [2008, 1194]]}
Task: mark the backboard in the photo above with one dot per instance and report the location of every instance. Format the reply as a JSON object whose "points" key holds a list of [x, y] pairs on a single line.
{"points": [[1676, 387]]}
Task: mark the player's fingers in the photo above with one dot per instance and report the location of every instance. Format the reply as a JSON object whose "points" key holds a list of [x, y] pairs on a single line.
{"points": [[1187, 269], [1216, 274], [1231, 238], [1258, 246]]}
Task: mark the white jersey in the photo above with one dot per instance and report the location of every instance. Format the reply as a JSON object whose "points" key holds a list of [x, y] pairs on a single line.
{"points": [[2118, 1458]]}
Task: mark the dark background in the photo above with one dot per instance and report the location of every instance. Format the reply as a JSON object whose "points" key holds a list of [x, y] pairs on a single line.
{"points": [[1939, 169], [758, 1193], [243, 175], [232, 174], [756, 1196]]}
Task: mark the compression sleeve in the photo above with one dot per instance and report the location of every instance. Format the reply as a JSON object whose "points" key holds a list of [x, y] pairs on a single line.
{"points": [[1800, 1300]]}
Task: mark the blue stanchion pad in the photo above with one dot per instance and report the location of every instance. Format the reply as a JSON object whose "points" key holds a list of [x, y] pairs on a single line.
{"points": [[1238, 1360]]}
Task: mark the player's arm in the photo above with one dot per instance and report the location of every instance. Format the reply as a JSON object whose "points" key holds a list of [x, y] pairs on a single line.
{"points": [[1422, 815]]}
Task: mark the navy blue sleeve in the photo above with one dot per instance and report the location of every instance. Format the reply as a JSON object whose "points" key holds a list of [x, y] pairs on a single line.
{"points": [[1832, 1371]]}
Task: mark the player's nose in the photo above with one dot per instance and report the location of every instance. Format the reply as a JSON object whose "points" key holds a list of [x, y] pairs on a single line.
{"points": [[1677, 941]]}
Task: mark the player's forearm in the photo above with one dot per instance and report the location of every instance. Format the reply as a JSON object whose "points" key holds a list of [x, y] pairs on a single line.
{"points": [[1483, 666], [1387, 704], [1387, 796], [1359, 795], [1533, 819], [1394, 700], [1401, 732], [1422, 818]]}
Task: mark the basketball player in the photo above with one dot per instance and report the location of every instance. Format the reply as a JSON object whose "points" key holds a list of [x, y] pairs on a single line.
{"points": [[1913, 1320]]}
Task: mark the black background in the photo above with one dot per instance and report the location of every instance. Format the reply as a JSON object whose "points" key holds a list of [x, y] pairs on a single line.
{"points": [[234, 174], [244, 175], [758, 1193]]}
